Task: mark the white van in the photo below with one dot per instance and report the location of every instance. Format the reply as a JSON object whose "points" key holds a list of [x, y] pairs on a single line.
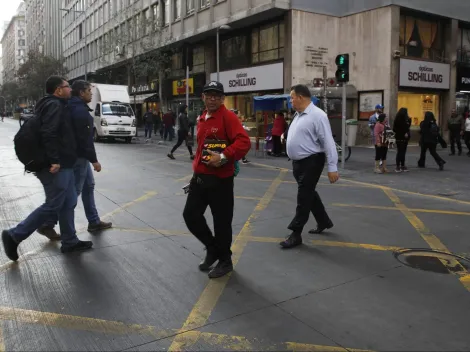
{"points": [[113, 115]]}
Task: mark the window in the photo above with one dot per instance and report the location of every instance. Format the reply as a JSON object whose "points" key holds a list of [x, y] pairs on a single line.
{"points": [[417, 104], [463, 42], [177, 61], [204, 3], [234, 52], [156, 16], [421, 37], [22, 42], [189, 6], [199, 59], [166, 12], [267, 43], [176, 9]]}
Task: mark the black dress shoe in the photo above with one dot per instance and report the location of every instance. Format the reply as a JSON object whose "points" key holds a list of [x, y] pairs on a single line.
{"points": [[320, 229], [209, 260], [11, 247], [292, 241], [80, 246], [222, 268]]}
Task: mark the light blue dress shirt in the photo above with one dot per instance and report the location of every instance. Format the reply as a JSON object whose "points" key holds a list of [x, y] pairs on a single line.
{"points": [[310, 133]]}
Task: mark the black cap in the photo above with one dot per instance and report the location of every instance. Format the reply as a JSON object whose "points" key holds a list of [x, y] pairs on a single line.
{"points": [[214, 86]]}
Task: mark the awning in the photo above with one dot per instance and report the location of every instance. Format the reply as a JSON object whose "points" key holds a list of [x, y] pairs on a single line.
{"points": [[274, 102], [141, 98], [155, 98]]}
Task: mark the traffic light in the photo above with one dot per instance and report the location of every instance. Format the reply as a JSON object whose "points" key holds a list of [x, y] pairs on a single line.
{"points": [[342, 68]]}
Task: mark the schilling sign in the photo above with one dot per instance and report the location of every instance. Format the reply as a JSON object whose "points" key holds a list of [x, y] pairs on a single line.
{"points": [[424, 74], [251, 79]]}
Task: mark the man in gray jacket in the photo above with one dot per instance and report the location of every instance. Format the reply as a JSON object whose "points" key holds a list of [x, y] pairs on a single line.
{"points": [[183, 132]]}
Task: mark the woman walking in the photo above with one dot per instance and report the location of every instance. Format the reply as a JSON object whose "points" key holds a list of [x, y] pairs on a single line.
{"points": [[430, 137], [279, 127], [401, 127], [183, 132]]}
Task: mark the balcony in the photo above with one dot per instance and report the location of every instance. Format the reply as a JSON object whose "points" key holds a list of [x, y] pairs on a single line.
{"points": [[418, 52]]}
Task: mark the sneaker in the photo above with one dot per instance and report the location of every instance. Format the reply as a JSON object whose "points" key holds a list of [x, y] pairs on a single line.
{"points": [[171, 156], [99, 226], [191, 157], [245, 161], [222, 268], [80, 246], [404, 169], [10, 246], [398, 169], [49, 232], [209, 260], [378, 171]]}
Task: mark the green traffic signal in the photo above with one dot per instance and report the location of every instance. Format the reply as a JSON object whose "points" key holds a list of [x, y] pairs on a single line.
{"points": [[342, 63]]}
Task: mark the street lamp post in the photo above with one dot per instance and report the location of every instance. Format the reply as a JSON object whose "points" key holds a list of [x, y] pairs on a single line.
{"points": [[85, 37], [223, 27]]}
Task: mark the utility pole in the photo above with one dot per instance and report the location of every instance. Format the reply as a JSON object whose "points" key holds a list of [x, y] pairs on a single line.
{"points": [[325, 99]]}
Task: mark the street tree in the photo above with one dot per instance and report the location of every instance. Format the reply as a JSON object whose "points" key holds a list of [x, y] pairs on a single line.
{"points": [[12, 93], [34, 72]]}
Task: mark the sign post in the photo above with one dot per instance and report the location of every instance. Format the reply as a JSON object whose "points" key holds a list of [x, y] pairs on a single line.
{"points": [[325, 99]]}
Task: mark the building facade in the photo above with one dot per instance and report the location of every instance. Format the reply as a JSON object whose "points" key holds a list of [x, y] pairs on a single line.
{"points": [[401, 53], [14, 45], [44, 27]]}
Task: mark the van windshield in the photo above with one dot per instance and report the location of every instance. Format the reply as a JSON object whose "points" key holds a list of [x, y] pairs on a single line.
{"points": [[116, 109]]}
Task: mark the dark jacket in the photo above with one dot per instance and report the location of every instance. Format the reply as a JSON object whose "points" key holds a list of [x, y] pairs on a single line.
{"points": [[401, 127], [148, 117], [83, 127], [57, 133], [183, 122], [455, 124], [426, 131]]}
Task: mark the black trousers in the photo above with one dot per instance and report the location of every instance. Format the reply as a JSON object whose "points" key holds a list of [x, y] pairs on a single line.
{"points": [[455, 138], [307, 172], [277, 145], [182, 135], [401, 153], [217, 193], [432, 151], [381, 153], [466, 138]]}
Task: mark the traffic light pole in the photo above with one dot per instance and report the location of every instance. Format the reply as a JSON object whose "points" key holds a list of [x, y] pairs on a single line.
{"points": [[343, 127]]}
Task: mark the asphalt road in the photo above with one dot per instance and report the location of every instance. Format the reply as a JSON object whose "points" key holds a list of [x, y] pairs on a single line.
{"points": [[352, 288]]}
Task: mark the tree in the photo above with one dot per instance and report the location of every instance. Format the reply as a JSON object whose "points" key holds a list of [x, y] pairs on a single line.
{"points": [[12, 93], [35, 71]]}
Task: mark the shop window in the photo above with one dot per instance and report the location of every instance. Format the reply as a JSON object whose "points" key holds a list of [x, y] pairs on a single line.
{"points": [[421, 38], [267, 43], [417, 105]]}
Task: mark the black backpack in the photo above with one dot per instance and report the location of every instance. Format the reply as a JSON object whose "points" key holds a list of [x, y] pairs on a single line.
{"points": [[434, 130], [28, 146]]}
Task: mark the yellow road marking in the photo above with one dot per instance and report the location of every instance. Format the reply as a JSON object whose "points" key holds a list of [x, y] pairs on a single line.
{"points": [[211, 294], [236, 197], [327, 243], [71, 322], [414, 210], [185, 178], [294, 182], [452, 265], [270, 167], [145, 197]]}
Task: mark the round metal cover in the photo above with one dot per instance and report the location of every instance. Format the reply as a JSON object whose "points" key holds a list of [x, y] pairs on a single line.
{"points": [[432, 260]]}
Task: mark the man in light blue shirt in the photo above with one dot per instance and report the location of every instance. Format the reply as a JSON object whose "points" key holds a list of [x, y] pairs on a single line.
{"points": [[310, 145]]}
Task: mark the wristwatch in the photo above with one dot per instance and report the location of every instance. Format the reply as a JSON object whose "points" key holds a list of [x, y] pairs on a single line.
{"points": [[223, 159]]}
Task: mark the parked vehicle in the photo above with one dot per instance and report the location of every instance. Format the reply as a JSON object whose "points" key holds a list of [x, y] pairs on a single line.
{"points": [[112, 113], [25, 115]]}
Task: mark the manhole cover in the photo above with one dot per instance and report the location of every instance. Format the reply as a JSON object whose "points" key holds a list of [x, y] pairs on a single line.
{"points": [[432, 260]]}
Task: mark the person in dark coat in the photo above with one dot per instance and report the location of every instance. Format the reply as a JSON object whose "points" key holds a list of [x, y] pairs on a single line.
{"points": [[454, 125], [401, 127], [183, 132], [148, 121], [430, 138]]}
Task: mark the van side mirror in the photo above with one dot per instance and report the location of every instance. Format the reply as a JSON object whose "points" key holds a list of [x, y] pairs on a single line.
{"points": [[97, 110]]}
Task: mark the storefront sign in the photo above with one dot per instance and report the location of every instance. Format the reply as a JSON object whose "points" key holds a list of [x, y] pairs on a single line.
{"points": [[179, 87], [143, 88], [463, 79], [252, 79], [424, 74]]}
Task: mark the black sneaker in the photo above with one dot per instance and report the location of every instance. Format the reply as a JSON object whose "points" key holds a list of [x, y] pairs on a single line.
{"points": [[191, 157], [245, 161], [222, 268], [100, 226], [209, 260], [48, 232], [10, 246], [170, 155], [80, 246]]}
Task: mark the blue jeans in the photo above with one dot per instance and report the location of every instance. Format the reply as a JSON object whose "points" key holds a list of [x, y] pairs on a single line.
{"points": [[84, 185], [61, 199]]}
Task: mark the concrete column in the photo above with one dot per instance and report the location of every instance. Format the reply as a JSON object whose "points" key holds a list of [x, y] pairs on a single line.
{"points": [[451, 45], [391, 104], [209, 57], [288, 52]]}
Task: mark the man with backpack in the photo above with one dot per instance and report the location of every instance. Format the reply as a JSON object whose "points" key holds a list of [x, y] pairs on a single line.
{"points": [[46, 145]]}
